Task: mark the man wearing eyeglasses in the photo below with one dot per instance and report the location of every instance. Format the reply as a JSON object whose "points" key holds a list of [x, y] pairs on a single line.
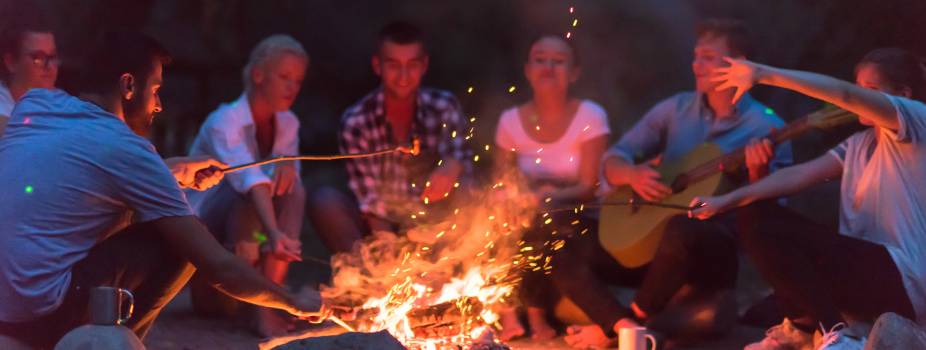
{"points": [[28, 60]]}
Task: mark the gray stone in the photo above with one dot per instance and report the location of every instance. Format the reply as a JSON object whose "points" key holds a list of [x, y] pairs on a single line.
{"points": [[347, 341], [99, 337], [892, 331]]}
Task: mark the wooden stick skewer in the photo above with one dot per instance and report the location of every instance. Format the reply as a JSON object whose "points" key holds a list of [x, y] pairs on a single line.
{"points": [[631, 202], [341, 323], [414, 150]]}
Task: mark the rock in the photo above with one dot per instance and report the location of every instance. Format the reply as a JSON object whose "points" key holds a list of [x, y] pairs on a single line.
{"points": [[892, 331], [100, 337], [348, 341]]}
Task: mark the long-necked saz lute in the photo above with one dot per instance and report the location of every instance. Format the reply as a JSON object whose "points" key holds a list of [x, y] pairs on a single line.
{"points": [[632, 233]]}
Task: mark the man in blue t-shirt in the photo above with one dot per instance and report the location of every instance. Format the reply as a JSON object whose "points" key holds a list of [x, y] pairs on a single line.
{"points": [[88, 202]]}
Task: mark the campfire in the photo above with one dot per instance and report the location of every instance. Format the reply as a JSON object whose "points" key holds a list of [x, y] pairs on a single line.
{"points": [[442, 283]]}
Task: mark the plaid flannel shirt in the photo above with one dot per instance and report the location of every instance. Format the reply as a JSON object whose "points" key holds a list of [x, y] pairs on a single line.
{"points": [[389, 186]]}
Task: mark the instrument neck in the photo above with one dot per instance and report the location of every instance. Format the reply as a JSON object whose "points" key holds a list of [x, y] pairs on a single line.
{"points": [[734, 160]]}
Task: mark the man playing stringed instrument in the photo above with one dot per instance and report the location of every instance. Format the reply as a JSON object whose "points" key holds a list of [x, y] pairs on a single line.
{"points": [[700, 254]]}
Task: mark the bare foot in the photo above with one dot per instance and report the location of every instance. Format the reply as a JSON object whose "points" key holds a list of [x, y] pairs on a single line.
{"points": [[540, 329], [269, 323], [591, 336], [511, 325]]}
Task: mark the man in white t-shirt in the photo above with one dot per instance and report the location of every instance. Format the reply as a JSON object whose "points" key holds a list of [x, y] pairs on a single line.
{"points": [[28, 59], [94, 205]]}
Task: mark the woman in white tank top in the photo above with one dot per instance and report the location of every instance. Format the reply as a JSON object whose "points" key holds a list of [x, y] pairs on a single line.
{"points": [[555, 141]]}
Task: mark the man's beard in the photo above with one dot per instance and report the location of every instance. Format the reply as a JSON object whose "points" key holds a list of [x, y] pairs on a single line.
{"points": [[136, 117]]}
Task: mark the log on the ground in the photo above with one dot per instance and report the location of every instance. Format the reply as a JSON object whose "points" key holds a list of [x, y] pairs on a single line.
{"points": [[444, 319], [451, 312], [435, 321], [348, 341], [892, 331]]}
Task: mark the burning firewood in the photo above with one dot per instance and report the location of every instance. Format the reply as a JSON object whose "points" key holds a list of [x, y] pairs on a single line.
{"points": [[392, 282], [446, 319], [434, 321], [444, 314]]}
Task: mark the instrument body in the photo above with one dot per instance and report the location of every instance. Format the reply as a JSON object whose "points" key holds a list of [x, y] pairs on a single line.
{"points": [[631, 234]]}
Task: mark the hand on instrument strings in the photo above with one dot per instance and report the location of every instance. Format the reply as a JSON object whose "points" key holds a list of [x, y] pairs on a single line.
{"points": [[441, 181], [740, 75], [283, 247], [707, 207], [645, 181], [285, 176], [758, 154], [199, 172]]}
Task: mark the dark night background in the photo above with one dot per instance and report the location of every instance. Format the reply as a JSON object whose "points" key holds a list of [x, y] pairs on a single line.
{"points": [[634, 53]]}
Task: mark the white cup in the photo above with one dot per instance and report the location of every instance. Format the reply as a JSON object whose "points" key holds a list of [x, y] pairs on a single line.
{"points": [[634, 338]]}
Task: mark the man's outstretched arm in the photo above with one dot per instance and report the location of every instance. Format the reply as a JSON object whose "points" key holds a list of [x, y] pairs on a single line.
{"points": [[226, 271]]}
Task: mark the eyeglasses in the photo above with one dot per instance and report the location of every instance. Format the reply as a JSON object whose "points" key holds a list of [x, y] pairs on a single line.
{"points": [[44, 60]]}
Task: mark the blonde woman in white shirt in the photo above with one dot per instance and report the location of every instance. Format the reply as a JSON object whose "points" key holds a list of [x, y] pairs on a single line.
{"points": [[258, 212], [556, 141]]}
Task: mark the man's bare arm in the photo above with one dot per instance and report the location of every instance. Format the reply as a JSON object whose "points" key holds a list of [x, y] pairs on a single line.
{"points": [[188, 236]]}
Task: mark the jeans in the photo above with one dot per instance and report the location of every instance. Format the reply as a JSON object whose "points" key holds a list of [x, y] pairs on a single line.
{"points": [[701, 254], [817, 273]]}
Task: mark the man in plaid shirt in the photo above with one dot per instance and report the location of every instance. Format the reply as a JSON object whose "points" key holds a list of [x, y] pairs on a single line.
{"points": [[391, 189]]}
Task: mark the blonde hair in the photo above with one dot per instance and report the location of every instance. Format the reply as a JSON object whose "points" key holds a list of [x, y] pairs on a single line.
{"points": [[268, 48]]}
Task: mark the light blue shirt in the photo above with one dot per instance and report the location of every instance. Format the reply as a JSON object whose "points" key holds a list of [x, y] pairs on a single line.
{"points": [[883, 194], [680, 123], [71, 174]]}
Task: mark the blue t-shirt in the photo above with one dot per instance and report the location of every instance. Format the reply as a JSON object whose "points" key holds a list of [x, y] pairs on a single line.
{"points": [[680, 123], [71, 174]]}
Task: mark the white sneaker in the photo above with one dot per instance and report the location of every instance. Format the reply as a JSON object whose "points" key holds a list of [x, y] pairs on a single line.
{"points": [[784, 337], [839, 338]]}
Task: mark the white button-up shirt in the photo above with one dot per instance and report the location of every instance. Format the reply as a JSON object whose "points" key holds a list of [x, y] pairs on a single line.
{"points": [[6, 106], [228, 134], [6, 101]]}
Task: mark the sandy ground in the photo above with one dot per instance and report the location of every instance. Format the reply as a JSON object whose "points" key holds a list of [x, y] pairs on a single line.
{"points": [[179, 328]]}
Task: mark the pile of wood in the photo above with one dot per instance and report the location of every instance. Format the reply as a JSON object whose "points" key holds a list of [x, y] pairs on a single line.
{"points": [[347, 341], [444, 319], [435, 321]]}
